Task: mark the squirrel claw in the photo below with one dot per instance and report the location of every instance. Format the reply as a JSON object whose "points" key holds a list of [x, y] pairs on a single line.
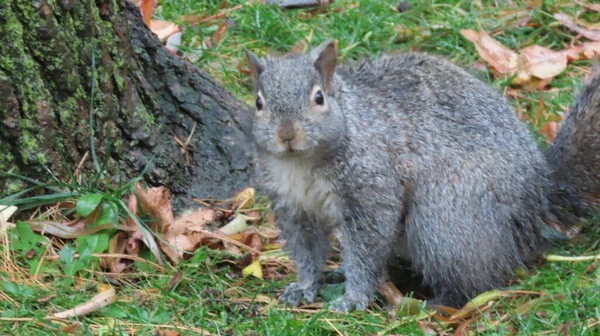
{"points": [[345, 305], [295, 293]]}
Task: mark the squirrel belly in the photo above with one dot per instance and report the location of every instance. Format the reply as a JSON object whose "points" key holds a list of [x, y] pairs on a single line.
{"points": [[413, 157]]}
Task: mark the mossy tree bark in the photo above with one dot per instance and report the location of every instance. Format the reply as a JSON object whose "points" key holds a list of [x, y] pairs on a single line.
{"points": [[143, 97]]}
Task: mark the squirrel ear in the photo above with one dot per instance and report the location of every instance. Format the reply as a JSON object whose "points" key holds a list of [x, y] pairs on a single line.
{"points": [[325, 60], [257, 66]]}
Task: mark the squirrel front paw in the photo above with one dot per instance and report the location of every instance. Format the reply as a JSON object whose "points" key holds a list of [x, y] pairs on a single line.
{"points": [[296, 293], [346, 304]]}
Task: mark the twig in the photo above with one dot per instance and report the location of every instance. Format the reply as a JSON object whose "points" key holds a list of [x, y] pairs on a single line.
{"points": [[334, 328]]}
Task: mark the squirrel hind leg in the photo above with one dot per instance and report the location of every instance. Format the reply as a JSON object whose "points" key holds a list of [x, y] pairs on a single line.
{"points": [[460, 250]]}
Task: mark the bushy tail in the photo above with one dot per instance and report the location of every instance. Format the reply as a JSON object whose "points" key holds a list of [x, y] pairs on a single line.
{"points": [[574, 156]]}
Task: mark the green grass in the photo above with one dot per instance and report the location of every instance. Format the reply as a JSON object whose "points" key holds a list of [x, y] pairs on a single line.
{"points": [[213, 296]]}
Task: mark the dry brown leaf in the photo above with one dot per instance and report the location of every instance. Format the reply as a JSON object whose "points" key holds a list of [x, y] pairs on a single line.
{"points": [[220, 32], [590, 6], [570, 23], [549, 129], [163, 29], [200, 217], [166, 332], [590, 50], [133, 209], [102, 299], [176, 245], [544, 63], [155, 203], [244, 199], [391, 294], [252, 239], [299, 48], [500, 58], [268, 232], [45, 298], [117, 245], [70, 328], [174, 280], [64, 230]]}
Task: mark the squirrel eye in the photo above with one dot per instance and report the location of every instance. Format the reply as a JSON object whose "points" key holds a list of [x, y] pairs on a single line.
{"points": [[259, 103], [319, 99]]}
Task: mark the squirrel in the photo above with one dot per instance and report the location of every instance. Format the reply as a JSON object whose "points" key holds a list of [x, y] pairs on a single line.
{"points": [[410, 157]]}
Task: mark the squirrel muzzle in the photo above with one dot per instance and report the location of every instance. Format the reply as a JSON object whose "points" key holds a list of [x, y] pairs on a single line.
{"points": [[286, 132]]}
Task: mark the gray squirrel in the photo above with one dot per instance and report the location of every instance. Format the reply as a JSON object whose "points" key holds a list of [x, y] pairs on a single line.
{"points": [[410, 157]]}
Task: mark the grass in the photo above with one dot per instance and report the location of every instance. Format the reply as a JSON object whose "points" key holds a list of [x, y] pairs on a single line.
{"points": [[209, 295]]}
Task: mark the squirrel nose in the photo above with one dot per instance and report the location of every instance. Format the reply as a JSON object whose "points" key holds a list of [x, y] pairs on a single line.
{"points": [[286, 131]]}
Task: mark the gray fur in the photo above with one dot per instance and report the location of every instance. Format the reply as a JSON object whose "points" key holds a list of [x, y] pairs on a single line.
{"points": [[411, 157]]}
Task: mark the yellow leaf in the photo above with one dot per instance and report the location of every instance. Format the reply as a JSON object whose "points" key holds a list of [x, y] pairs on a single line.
{"points": [[244, 198], [253, 269]]}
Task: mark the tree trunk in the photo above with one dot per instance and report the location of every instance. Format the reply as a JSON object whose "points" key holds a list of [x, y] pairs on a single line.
{"points": [[57, 54]]}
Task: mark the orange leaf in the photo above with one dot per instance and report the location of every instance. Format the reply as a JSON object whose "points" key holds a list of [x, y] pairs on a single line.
{"points": [[147, 9]]}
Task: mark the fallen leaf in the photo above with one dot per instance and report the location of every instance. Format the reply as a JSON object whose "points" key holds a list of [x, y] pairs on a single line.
{"points": [[244, 199], [45, 298], [133, 209], [116, 245], [268, 232], [237, 225], [591, 6], [253, 216], [155, 203], [590, 50], [392, 295], [252, 239], [102, 299], [527, 306], [147, 9], [477, 302], [544, 63], [175, 245], [569, 23], [64, 230], [500, 58], [299, 48], [549, 129], [163, 29], [220, 32], [167, 332], [173, 42], [5, 213], [70, 328], [197, 218], [174, 280], [253, 269]]}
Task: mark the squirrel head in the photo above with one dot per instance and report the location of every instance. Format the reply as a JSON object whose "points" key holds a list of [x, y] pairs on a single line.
{"points": [[296, 113]]}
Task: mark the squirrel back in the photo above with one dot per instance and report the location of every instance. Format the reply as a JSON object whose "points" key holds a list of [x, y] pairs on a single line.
{"points": [[411, 156]]}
